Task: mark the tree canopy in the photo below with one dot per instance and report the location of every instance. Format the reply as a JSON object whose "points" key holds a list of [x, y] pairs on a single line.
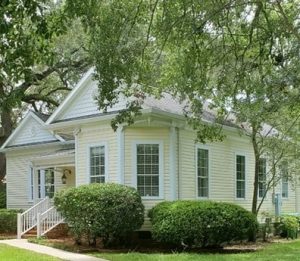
{"points": [[42, 54], [241, 56]]}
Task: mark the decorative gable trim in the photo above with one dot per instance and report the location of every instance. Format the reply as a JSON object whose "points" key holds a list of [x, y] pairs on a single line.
{"points": [[23, 123]]}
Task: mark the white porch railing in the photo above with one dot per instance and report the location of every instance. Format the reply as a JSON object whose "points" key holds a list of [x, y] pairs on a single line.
{"points": [[48, 220], [28, 219]]}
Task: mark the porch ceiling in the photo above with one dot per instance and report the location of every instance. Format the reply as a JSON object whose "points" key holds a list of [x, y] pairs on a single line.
{"points": [[62, 157]]}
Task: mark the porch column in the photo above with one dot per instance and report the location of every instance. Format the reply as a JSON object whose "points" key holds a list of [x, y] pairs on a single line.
{"points": [[120, 141], [173, 163]]}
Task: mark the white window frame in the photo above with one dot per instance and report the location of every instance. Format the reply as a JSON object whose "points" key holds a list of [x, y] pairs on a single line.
{"points": [[101, 144], [266, 179], [31, 172], [160, 168], [204, 147], [235, 174]]}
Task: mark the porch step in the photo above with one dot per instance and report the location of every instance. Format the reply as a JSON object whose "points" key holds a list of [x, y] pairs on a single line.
{"points": [[61, 230], [30, 234]]}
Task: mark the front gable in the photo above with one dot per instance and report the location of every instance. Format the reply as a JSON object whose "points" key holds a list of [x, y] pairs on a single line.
{"points": [[30, 131], [82, 101]]}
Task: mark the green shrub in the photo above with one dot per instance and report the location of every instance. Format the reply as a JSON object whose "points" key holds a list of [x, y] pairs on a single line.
{"points": [[289, 226], [109, 211], [8, 220], [201, 223], [2, 196]]}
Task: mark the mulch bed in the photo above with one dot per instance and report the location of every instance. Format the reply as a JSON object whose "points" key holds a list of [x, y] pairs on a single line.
{"points": [[149, 246]]}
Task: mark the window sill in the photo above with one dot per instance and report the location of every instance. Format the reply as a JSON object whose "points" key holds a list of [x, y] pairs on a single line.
{"points": [[203, 198], [152, 198], [240, 199]]}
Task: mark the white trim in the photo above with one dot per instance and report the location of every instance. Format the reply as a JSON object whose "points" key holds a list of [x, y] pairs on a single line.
{"points": [[106, 166], [161, 165], [238, 153], [31, 186], [205, 147], [76, 133], [69, 98], [20, 127], [173, 164], [121, 156]]}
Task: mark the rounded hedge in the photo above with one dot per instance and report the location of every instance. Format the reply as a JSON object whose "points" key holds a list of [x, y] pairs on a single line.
{"points": [[109, 211], [201, 223]]}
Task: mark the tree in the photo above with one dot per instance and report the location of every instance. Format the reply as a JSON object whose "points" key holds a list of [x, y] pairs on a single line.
{"points": [[241, 55], [42, 55]]}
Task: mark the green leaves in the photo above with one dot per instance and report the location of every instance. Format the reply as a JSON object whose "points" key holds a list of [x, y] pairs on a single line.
{"points": [[201, 223], [109, 211]]}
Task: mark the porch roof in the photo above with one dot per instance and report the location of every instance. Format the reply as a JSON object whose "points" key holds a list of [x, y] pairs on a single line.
{"points": [[62, 157]]}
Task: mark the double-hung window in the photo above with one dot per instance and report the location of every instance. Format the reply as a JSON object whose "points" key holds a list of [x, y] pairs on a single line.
{"points": [[262, 177], [202, 172], [240, 176], [148, 169], [97, 164]]}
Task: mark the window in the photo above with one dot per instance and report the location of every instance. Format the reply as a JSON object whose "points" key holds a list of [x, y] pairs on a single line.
{"points": [[202, 172], [262, 176], [240, 176], [31, 184], [46, 187], [97, 164], [284, 180], [148, 169]]}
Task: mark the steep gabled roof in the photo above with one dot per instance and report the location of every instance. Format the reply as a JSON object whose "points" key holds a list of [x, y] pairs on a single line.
{"points": [[31, 130], [72, 95]]}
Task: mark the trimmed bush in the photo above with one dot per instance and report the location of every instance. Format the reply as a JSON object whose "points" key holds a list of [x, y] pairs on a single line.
{"points": [[8, 220], [201, 223], [109, 211], [2, 196], [289, 226]]}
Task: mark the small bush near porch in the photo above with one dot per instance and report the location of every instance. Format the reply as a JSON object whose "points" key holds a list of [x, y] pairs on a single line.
{"points": [[8, 221], [108, 211]]}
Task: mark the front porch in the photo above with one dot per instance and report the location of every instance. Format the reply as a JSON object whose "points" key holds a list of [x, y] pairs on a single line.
{"points": [[51, 173]]}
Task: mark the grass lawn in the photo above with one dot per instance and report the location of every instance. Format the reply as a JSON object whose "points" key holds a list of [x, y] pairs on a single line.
{"points": [[274, 252], [8, 253]]}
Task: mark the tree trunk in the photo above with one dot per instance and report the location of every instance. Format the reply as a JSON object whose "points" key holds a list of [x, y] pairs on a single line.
{"points": [[256, 171], [6, 128]]}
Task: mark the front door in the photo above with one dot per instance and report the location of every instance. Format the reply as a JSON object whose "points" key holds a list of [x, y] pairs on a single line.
{"points": [[46, 186]]}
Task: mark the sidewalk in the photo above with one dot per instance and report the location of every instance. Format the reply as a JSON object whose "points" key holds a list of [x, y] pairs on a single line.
{"points": [[64, 255]]}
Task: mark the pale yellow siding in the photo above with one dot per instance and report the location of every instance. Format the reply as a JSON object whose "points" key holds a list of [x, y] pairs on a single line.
{"points": [[222, 171], [91, 135], [147, 134], [17, 168]]}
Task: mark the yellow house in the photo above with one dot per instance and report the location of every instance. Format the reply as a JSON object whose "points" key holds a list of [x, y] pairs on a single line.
{"points": [[157, 155]]}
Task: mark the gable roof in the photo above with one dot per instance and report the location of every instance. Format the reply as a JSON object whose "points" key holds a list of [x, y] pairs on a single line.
{"points": [[81, 104], [32, 123], [72, 95]]}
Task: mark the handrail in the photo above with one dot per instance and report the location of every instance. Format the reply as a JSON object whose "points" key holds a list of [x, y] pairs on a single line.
{"points": [[48, 220], [28, 219]]}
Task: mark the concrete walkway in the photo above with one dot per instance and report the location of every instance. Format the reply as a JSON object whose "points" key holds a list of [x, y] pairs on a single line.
{"points": [[22, 243]]}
